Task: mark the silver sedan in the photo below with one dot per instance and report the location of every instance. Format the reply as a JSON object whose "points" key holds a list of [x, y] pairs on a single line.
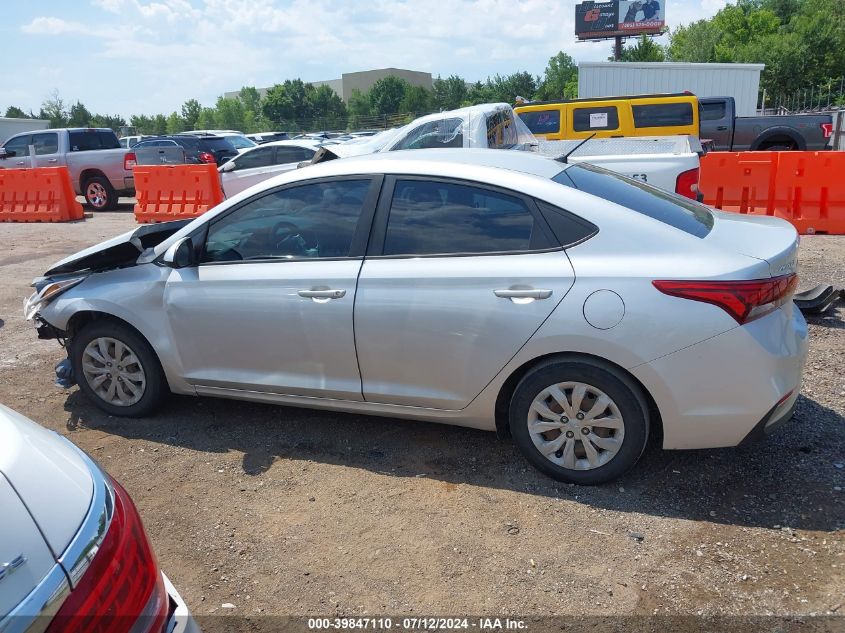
{"points": [[573, 308]]}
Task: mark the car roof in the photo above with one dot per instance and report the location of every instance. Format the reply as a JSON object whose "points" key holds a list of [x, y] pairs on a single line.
{"points": [[513, 160]]}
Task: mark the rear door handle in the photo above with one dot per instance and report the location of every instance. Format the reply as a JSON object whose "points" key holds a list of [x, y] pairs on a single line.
{"points": [[322, 294], [510, 293], [722, 128], [52, 160], [20, 162]]}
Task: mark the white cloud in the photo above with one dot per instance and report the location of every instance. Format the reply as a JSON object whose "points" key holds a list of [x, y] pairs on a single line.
{"points": [[53, 26]]}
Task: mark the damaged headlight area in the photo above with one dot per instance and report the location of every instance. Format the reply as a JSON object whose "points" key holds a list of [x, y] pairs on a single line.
{"points": [[45, 291]]}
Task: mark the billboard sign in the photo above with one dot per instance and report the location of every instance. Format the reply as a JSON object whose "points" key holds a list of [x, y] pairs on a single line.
{"points": [[594, 20]]}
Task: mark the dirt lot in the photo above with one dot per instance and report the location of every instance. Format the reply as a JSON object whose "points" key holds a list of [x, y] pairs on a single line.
{"points": [[293, 512]]}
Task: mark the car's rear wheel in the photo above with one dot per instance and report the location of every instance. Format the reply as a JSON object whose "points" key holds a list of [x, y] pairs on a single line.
{"points": [[99, 194], [117, 369], [579, 422]]}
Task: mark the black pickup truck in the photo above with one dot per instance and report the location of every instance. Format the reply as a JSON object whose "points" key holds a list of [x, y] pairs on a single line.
{"points": [[729, 132]]}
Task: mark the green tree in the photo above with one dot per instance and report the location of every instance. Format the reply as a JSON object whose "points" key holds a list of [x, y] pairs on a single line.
{"points": [[251, 99], [695, 42], [560, 80], [645, 50], [115, 122], [288, 102], [449, 93], [359, 104], [142, 123], [175, 123], [14, 112], [479, 92], [508, 87], [328, 108], [230, 114], [159, 124], [386, 94], [206, 120], [191, 113], [417, 100], [79, 116]]}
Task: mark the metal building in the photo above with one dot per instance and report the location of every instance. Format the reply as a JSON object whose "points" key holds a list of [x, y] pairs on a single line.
{"points": [[740, 81], [10, 127]]}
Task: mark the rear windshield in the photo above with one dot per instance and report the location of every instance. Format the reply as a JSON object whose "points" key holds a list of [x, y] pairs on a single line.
{"points": [[676, 211], [87, 140], [662, 115], [542, 121], [217, 144]]}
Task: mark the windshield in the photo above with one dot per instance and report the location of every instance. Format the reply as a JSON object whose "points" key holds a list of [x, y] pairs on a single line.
{"points": [[669, 208], [240, 142]]}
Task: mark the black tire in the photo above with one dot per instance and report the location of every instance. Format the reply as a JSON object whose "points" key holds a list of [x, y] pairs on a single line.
{"points": [[626, 396], [99, 194], [154, 386]]}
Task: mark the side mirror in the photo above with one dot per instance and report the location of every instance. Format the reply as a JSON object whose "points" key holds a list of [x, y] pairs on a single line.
{"points": [[5, 154], [226, 167], [180, 253]]}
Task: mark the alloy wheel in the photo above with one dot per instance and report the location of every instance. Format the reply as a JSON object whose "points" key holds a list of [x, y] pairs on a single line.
{"points": [[96, 195]]}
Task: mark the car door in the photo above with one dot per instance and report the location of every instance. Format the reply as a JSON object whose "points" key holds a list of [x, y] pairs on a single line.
{"points": [[458, 277], [269, 306], [47, 149], [19, 146]]}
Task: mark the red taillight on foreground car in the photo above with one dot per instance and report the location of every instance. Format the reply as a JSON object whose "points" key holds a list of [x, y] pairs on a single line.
{"points": [[123, 588], [687, 183], [743, 300], [827, 129], [129, 161], [207, 158]]}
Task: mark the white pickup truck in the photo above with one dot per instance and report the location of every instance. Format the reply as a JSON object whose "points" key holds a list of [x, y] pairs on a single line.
{"points": [[100, 169]]}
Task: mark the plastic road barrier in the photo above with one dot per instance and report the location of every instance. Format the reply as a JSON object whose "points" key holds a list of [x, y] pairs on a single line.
{"points": [[43, 194], [805, 188], [175, 192]]}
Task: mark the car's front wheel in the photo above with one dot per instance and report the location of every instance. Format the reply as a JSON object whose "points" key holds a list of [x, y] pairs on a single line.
{"points": [[117, 369], [579, 421]]}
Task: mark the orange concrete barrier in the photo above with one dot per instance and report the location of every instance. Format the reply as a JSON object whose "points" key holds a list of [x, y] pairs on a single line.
{"points": [[805, 188], [43, 194], [175, 192]]}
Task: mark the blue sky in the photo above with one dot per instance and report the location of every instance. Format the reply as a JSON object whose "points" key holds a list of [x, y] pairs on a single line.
{"points": [[148, 56]]}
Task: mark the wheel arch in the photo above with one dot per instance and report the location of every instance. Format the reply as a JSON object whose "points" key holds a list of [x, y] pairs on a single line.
{"points": [[507, 389], [778, 133], [84, 317], [87, 174]]}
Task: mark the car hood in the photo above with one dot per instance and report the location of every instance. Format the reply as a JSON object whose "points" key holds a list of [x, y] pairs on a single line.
{"points": [[118, 252], [49, 475]]}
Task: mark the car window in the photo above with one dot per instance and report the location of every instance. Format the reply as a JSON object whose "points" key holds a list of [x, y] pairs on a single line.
{"points": [[124, 143], [292, 155], [430, 217], [19, 145], [306, 221], [713, 111], [240, 142], [591, 119], [662, 114], [261, 157], [46, 143], [440, 133], [501, 131], [669, 208], [542, 121], [87, 140]]}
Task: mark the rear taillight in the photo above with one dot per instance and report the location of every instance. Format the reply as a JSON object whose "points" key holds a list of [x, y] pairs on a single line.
{"points": [[122, 589], [827, 129], [129, 161], [205, 157], [687, 183], [743, 300]]}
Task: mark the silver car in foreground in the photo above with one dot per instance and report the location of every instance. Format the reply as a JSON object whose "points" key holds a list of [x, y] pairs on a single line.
{"points": [[74, 555], [574, 308]]}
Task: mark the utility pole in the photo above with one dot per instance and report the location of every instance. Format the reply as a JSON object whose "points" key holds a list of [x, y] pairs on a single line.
{"points": [[617, 49]]}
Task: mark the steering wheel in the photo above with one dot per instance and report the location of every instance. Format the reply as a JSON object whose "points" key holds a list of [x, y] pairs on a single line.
{"points": [[290, 239]]}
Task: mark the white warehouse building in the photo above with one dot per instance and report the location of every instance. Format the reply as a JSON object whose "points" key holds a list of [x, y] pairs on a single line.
{"points": [[605, 79]]}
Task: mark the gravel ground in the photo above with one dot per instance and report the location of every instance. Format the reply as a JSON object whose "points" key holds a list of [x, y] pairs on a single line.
{"points": [[262, 510]]}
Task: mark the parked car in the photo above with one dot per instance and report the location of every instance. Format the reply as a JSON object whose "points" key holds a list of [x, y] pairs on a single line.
{"points": [[263, 162], [268, 137], [578, 309], [238, 140], [128, 142], [73, 552], [729, 132], [197, 149], [634, 115], [100, 169]]}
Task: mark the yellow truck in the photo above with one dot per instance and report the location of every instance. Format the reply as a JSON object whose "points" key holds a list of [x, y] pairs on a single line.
{"points": [[636, 115]]}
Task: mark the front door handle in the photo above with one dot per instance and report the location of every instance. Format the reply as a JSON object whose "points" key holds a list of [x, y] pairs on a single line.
{"points": [[20, 162], [530, 293], [322, 294], [722, 128], [52, 160]]}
